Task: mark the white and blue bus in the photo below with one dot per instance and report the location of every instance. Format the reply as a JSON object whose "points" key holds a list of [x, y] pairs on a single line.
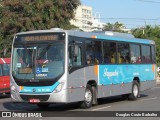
{"points": [[64, 66]]}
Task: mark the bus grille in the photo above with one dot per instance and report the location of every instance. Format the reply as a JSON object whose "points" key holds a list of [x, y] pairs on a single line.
{"points": [[19, 83], [40, 97]]}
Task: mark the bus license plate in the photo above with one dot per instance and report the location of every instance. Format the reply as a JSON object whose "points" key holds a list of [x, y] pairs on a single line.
{"points": [[34, 100]]}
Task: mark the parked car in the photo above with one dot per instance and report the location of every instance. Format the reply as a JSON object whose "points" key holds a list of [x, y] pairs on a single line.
{"points": [[4, 75]]}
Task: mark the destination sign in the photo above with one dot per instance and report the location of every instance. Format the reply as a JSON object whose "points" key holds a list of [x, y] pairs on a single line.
{"points": [[40, 37]]}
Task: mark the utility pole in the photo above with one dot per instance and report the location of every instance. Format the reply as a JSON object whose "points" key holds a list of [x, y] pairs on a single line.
{"points": [[144, 26], [143, 30]]}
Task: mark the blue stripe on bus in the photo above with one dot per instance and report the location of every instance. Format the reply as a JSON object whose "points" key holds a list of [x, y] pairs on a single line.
{"points": [[127, 40], [118, 74], [39, 89]]}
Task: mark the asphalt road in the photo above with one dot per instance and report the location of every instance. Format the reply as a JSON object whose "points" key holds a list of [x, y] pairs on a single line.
{"points": [[149, 101]]}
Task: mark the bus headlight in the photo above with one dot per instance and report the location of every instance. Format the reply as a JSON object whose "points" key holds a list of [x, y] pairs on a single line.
{"points": [[59, 87], [13, 88]]}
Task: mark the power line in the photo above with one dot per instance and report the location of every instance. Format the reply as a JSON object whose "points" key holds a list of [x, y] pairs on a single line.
{"points": [[151, 19], [130, 19], [150, 1]]}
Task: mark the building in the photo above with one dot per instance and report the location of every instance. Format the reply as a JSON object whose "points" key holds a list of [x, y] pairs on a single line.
{"points": [[83, 18], [96, 24]]}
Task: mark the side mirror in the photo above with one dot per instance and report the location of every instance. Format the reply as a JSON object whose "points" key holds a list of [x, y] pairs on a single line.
{"points": [[76, 51]]}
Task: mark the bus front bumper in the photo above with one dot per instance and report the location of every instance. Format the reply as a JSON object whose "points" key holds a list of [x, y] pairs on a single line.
{"points": [[59, 97]]}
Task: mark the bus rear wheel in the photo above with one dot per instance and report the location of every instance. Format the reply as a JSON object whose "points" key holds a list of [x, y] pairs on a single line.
{"points": [[135, 91], [88, 97]]}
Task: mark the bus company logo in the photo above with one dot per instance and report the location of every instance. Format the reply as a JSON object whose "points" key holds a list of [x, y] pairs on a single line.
{"points": [[109, 74]]}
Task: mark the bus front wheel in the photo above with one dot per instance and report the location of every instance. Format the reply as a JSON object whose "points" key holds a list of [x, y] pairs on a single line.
{"points": [[88, 97]]}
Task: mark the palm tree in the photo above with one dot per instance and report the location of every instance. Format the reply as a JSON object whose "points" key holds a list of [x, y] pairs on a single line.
{"points": [[108, 27], [116, 27]]}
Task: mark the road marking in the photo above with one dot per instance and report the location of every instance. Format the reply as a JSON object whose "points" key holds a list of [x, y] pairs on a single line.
{"points": [[148, 99], [100, 108]]}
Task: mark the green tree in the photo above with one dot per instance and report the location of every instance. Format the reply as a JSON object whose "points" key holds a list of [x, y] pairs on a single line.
{"points": [[25, 15], [108, 27], [152, 33], [116, 27]]}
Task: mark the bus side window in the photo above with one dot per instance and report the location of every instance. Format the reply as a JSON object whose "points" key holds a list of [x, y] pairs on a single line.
{"points": [[93, 52], [113, 58], [0, 70], [107, 58], [89, 60], [75, 60], [109, 49], [123, 53], [120, 58], [79, 57], [146, 54], [70, 56], [135, 54], [6, 69], [138, 60]]}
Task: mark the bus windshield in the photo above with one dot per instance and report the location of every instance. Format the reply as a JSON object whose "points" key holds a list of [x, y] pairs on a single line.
{"points": [[42, 61]]}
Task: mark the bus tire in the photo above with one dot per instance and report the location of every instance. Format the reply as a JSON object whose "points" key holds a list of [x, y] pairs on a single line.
{"points": [[88, 97], [43, 105], [95, 101], [135, 91]]}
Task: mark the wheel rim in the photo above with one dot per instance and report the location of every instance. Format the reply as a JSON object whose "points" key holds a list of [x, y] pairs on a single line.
{"points": [[88, 96], [135, 90]]}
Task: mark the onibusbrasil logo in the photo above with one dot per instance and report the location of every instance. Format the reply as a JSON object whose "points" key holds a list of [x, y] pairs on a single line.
{"points": [[109, 74]]}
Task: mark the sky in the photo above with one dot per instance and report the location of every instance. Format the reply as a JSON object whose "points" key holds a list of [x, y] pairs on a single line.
{"points": [[132, 13]]}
